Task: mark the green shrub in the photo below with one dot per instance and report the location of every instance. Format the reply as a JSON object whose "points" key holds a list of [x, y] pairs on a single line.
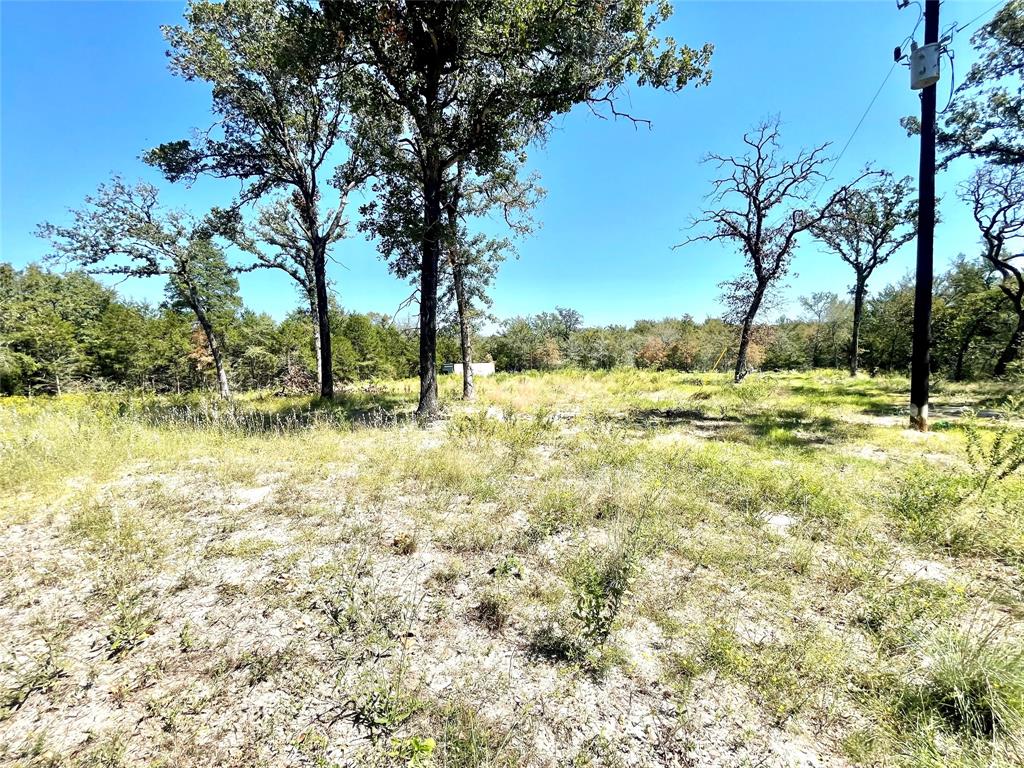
{"points": [[995, 460]]}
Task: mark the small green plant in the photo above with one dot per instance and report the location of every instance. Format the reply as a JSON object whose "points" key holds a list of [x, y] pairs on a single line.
{"points": [[132, 622], [508, 566], [414, 752], [600, 582], [187, 640], [380, 708], [994, 461]]}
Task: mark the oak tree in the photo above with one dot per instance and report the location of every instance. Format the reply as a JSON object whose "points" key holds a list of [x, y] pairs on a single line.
{"points": [[865, 228], [996, 197], [281, 99], [123, 230], [468, 81]]}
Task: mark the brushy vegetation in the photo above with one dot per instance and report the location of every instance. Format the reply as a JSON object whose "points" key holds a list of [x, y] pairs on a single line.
{"points": [[580, 569]]}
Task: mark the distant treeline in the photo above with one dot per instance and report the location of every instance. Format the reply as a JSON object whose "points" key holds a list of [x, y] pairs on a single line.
{"points": [[60, 332]]}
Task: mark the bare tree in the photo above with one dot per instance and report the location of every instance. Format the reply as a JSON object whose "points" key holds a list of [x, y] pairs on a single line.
{"points": [[774, 204], [996, 197], [865, 228]]}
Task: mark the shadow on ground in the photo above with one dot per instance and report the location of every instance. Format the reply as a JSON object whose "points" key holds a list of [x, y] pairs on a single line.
{"points": [[793, 427]]}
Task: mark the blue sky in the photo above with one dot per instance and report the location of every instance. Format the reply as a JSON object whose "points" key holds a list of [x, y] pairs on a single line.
{"points": [[85, 89]]}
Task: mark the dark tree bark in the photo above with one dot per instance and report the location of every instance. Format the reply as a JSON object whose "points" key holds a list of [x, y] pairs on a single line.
{"points": [[859, 291], [212, 343], [323, 320], [961, 351], [1013, 347], [748, 326], [430, 260]]}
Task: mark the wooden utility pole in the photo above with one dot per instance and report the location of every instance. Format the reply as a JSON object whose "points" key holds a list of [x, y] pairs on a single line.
{"points": [[919, 366]]}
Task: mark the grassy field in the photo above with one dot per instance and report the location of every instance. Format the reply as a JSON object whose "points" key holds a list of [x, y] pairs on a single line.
{"points": [[580, 569]]}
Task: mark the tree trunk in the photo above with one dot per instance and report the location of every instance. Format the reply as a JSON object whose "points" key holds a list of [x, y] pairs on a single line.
{"points": [[465, 333], [211, 340], [461, 302], [748, 325], [323, 323], [858, 315], [961, 353], [314, 315], [1013, 347], [429, 259]]}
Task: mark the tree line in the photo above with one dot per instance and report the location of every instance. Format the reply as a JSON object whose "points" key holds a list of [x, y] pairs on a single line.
{"points": [[62, 332], [430, 107]]}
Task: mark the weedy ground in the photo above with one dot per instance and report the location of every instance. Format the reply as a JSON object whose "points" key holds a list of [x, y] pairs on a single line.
{"points": [[580, 569]]}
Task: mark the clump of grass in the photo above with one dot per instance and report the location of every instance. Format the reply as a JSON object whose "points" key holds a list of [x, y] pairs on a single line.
{"points": [[448, 572], [466, 739], [722, 650], [245, 547], [405, 543], [473, 534], [973, 684], [493, 609], [925, 502], [897, 615], [942, 509], [361, 620], [39, 675]]}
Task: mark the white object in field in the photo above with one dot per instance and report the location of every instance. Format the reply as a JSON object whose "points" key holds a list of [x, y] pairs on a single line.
{"points": [[924, 66], [479, 369]]}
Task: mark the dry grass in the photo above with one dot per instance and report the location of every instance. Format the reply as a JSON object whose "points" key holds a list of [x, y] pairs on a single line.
{"points": [[625, 568]]}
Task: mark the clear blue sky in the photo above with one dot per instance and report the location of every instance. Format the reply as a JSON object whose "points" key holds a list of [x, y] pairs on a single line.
{"points": [[85, 89]]}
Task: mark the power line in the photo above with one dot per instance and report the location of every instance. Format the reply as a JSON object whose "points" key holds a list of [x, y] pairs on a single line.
{"points": [[962, 27], [849, 141], [862, 118]]}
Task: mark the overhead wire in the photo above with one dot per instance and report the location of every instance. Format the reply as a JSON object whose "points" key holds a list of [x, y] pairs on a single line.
{"points": [[888, 74], [962, 27], [856, 128]]}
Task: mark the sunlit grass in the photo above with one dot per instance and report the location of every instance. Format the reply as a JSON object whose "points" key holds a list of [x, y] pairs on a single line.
{"points": [[785, 542]]}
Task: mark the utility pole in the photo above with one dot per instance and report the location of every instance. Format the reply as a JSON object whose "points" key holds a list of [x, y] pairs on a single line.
{"points": [[924, 65]]}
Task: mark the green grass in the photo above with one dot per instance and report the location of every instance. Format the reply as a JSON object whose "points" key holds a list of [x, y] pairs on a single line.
{"points": [[454, 594]]}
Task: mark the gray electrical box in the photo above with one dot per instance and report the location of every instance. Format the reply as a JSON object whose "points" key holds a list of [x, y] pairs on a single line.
{"points": [[924, 66]]}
